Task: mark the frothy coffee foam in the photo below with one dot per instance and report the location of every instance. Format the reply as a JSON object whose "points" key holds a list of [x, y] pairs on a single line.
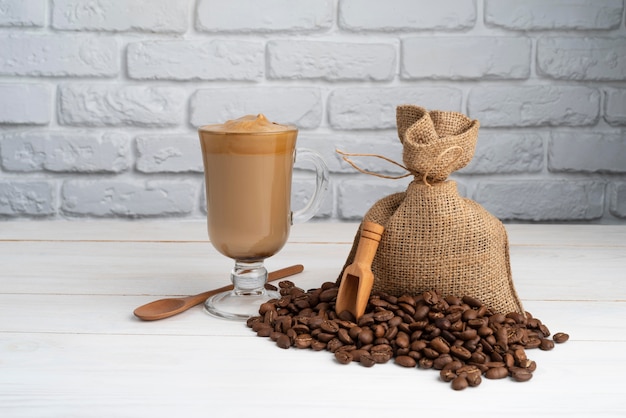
{"points": [[249, 123]]}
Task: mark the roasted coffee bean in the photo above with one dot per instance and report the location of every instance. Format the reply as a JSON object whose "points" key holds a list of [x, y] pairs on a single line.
{"points": [[343, 357], [405, 361], [381, 353], [303, 341], [469, 314], [546, 344], [354, 332], [367, 360], [440, 345], [333, 345], [460, 383], [497, 373], [425, 363], [383, 315], [264, 331], [366, 336], [440, 362], [283, 341], [421, 312], [478, 357], [443, 323], [474, 377], [344, 336], [509, 360], [472, 301], [461, 353], [329, 294], [447, 375], [521, 375], [406, 308], [300, 329], [430, 353], [317, 345], [330, 327], [560, 337], [324, 336], [402, 340]]}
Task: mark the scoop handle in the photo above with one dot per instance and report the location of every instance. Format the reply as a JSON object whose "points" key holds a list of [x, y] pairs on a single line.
{"points": [[371, 234]]}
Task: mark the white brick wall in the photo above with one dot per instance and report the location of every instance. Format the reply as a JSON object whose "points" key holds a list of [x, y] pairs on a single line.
{"points": [[100, 101]]}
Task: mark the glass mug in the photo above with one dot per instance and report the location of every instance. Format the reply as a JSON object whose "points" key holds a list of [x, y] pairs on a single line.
{"points": [[248, 165]]}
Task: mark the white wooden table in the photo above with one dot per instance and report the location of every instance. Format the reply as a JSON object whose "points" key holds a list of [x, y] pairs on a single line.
{"points": [[70, 346]]}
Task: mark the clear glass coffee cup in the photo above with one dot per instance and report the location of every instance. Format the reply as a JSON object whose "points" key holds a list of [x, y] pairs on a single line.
{"points": [[248, 167]]}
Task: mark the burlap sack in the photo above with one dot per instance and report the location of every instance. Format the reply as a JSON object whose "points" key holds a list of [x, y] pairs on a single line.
{"points": [[434, 238]]}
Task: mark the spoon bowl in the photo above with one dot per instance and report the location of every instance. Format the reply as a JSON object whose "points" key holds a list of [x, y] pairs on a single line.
{"points": [[164, 308]]}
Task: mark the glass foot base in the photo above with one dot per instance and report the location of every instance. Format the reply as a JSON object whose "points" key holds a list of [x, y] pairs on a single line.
{"points": [[230, 305]]}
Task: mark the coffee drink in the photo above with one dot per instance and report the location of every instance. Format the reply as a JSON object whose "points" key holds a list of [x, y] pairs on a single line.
{"points": [[248, 164]]}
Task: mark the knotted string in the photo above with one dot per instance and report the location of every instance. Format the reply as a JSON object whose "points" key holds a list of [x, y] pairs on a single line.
{"points": [[345, 156]]}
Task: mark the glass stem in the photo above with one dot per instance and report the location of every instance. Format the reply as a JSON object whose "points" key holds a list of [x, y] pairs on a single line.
{"points": [[249, 278]]}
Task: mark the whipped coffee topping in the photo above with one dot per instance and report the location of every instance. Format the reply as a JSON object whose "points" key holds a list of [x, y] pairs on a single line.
{"points": [[249, 123]]}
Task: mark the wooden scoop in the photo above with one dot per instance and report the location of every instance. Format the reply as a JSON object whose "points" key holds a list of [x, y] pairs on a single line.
{"points": [[357, 280]]}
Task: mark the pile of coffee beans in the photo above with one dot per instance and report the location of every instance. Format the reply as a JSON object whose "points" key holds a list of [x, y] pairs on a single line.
{"points": [[459, 336]]}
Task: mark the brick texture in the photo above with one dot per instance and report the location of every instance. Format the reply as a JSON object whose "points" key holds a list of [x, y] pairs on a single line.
{"points": [[542, 200], [264, 15], [85, 104], [582, 58], [65, 152], [331, 60], [589, 153], [101, 101], [497, 106], [105, 198], [466, 57], [406, 15], [26, 198], [160, 153], [196, 60], [121, 15], [58, 55], [554, 14], [23, 13]]}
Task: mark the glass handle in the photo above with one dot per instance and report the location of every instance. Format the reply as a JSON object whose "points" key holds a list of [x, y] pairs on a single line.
{"points": [[321, 185]]}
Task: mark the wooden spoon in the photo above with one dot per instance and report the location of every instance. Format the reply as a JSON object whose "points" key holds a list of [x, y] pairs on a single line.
{"points": [[357, 280], [164, 308]]}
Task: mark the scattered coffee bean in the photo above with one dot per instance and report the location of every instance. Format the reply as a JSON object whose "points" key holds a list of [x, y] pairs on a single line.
{"points": [[457, 335], [283, 341], [405, 361], [460, 382], [343, 357], [497, 373]]}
